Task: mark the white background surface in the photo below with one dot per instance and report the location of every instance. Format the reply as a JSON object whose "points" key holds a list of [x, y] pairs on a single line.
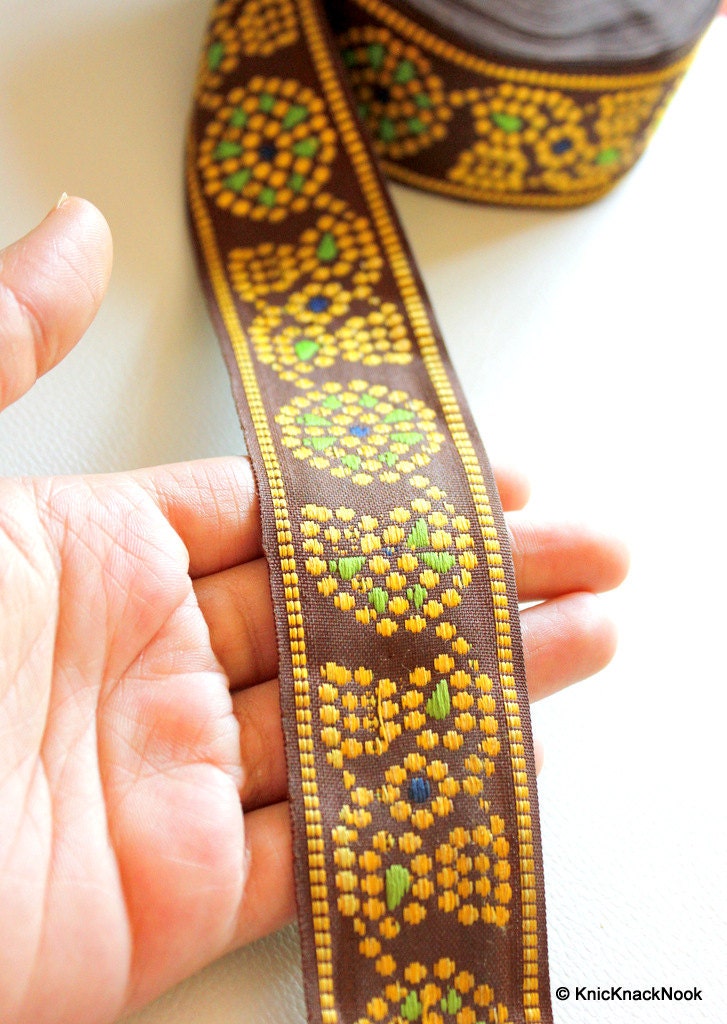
{"points": [[591, 346]]}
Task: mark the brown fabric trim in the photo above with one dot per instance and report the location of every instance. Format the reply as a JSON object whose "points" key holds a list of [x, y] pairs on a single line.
{"points": [[403, 692]]}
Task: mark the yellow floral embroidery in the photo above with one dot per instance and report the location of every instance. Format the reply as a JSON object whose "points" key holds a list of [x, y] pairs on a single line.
{"points": [[340, 246], [539, 139], [402, 102], [491, 168], [297, 350], [261, 28], [362, 431], [439, 705], [266, 26], [406, 568], [268, 150], [220, 54]]}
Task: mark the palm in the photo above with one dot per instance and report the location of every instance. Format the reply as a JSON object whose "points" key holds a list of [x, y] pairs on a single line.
{"points": [[125, 802], [138, 700]]}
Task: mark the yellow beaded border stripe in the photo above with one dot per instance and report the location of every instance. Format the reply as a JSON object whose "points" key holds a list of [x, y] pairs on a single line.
{"points": [[419, 318], [495, 155]]}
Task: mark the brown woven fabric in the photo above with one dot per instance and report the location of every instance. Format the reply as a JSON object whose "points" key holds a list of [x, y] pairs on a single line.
{"points": [[405, 708]]}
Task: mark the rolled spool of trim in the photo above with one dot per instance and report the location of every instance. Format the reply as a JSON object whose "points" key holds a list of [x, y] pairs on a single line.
{"points": [[524, 103]]}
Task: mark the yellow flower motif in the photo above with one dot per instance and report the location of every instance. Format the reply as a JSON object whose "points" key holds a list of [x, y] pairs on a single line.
{"points": [[623, 124], [339, 246], [266, 26], [466, 875], [318, 303], [361, 431], [342, 246], [220, 54], [403, 569], [538, 139], [375, 337], [264, 271], [490, 168], [625, 114], [260, 28], [564, 145], [442, 709], [268, 150], [297, 350], [403, 104]]}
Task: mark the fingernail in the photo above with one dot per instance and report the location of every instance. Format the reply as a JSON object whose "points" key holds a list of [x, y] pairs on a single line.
{"points": [[62, 201]]}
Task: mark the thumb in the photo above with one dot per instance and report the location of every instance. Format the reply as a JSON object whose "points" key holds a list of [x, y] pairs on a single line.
{"points": [[51, 285]]}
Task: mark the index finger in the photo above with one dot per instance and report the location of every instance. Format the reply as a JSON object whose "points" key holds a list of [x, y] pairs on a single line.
{"points": [[213, 506]]}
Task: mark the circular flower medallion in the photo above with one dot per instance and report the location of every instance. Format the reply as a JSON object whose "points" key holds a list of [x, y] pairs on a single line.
{"points": [[361, 431], [466, 876], [259, 274], [268, 150], [407, 568], [403, 104]]}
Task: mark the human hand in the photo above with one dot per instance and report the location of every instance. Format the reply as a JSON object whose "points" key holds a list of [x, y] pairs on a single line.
{"points": [[138, 699]]}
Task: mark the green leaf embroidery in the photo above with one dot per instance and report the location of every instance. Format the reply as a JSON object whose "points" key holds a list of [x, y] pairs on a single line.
{"points": [[439, 705], [319, 444], [377, 55], [306, 349], [306, 147], [407, 437], [419, 535], [237, 181], [405, 72], [452, 1003], [226, 149], [295, 115], [608, 156], [312, 419], [348, 567], [215, 55], [411, 1008], [439, 561], [398, 882], [327, 249], [379, 598], [399, 416], [418, 595], [508, 122]]}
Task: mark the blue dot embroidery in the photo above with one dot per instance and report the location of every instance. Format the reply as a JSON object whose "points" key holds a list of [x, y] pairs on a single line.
{"points": [[419, 790], [562, 146], [267, 152], [319, 304], [359, 431]]}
